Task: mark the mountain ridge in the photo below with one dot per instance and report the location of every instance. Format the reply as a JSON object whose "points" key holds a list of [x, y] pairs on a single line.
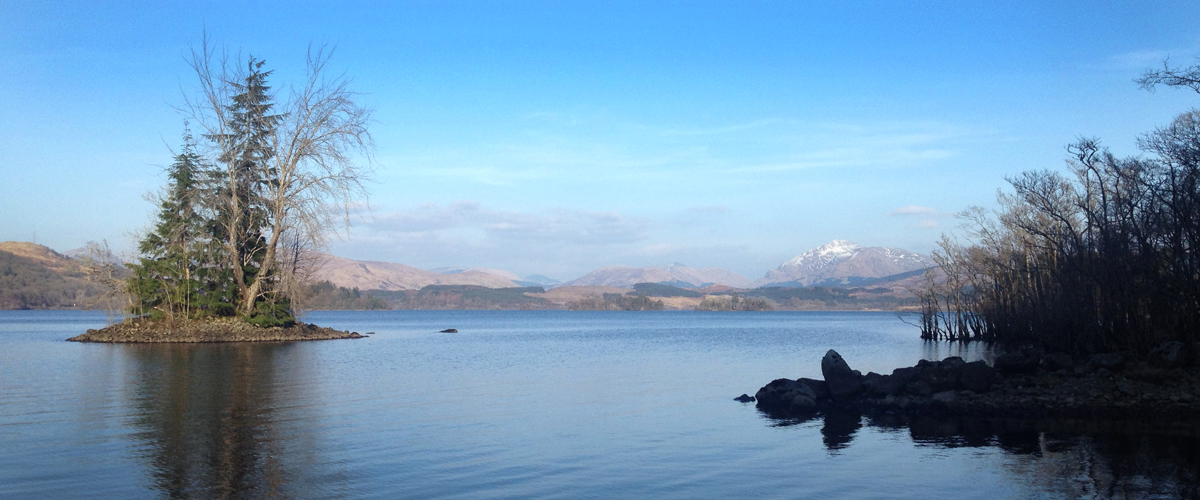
{"points": [[843, 263]]}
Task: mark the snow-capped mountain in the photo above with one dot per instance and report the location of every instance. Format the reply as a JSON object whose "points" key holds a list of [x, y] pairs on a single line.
{"points": [[842, 263]]}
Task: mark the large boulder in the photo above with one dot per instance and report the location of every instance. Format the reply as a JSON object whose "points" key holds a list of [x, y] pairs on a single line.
{"points": [[819, 387], [884, 385], [941, 375], [977, 376], [903, 376], [1018, 361], [1110, 361], [786, 395], [844, 383], [1056, 361], [1170, 355]]}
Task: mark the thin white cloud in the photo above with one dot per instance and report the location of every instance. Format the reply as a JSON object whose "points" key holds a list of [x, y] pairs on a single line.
{"points": [[561, 226], [578, 149], [913, 210]]}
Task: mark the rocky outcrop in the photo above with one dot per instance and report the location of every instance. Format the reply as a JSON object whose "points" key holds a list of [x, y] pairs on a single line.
{"points": [[844, 383], [1027, 384]]}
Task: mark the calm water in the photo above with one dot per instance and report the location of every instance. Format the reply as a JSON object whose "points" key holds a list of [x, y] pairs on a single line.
{"points": [[541, 404]]}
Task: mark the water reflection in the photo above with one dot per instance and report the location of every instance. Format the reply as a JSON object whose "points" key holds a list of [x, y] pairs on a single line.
{"points": [[206, 418], [1060, 458]]}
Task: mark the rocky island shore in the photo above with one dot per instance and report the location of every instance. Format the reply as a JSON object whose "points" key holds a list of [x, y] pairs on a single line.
{"points": [[1019, 384], [208, 330]]}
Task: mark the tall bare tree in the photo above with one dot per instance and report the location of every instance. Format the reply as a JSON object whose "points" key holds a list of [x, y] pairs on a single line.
{"points": [[292, 163]]}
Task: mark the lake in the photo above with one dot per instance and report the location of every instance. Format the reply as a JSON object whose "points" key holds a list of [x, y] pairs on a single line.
{"points": [[524, 404]]}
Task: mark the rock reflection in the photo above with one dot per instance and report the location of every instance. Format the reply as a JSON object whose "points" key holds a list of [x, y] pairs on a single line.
{"points": [[1061, 458], [205, 414]]}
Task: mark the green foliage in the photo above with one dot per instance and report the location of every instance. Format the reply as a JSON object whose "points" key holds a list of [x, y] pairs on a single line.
{"points": [[268, 314], [166, 279], [208, 243]]}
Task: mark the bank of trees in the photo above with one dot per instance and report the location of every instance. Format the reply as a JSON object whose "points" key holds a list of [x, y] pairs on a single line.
{"points": [[252, 197], [1101, 258]]}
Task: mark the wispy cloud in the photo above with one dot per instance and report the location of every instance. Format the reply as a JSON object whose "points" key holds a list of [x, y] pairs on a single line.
{"points": [[913, 210], [573, 227], [563, 147]]}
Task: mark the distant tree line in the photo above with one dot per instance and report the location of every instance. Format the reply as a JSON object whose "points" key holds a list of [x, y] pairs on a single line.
{"points": [[733, 302], [616, 302], [249, 200], [326, 296], [1102, 258]]}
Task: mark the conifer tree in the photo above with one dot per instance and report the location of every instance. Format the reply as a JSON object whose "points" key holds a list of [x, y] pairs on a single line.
{"points": [[246, 154], [165, 281]]}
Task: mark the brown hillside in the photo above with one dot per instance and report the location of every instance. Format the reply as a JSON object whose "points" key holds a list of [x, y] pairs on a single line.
{"points": [[42, 255]]}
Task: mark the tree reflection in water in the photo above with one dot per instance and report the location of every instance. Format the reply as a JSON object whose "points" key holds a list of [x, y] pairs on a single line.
{"points": [[1063, 458], [205, 413]]}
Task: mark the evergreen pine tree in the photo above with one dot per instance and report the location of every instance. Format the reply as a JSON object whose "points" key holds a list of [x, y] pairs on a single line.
{"points": [[165, 281], [247, 154]]}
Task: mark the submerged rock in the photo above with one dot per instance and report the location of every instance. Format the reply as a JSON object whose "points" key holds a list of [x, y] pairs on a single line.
{"points": [[449, 330], [744, 398]]}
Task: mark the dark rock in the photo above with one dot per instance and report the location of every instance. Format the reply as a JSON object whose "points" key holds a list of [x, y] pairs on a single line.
{"points": [[953, 362], [770, 396], [918, 388], [1109, 361], [844, 383], [1057, 361], [803, 403], [977, 376], [903, 376], [449, 330], [1017, 361], [744, 398], [786, 395], [945, 397], [884, 385], [819, 387], [941, 376], [1170, 355]]}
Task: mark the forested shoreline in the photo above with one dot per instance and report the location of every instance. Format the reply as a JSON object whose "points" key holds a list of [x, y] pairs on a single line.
{"points": [[1102, 258]]}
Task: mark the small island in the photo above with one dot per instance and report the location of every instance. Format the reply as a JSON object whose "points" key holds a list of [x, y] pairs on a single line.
{"points": [[247, 208], [211, 330]]}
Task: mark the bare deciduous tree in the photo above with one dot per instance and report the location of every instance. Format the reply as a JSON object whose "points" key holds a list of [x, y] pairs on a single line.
{"points": [[288, 179]]}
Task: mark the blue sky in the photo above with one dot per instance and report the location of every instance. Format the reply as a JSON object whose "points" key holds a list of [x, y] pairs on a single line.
{"points": [[558, 137]]}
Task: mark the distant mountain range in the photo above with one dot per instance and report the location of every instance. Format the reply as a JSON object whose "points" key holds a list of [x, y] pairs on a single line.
{"points": [[675, 274], [372, 275], [841, 263], [39, 277]]}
